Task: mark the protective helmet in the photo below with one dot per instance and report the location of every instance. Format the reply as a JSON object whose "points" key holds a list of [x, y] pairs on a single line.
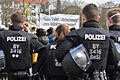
{"points": [[2, 60], [76, 61], [117, 45]]}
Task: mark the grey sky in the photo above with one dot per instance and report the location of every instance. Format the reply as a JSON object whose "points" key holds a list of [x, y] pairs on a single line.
{"points": [[96, 1], [100, 1]]}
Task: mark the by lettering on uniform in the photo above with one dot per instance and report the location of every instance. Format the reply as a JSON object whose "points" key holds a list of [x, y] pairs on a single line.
{"points": [[95, 52]]}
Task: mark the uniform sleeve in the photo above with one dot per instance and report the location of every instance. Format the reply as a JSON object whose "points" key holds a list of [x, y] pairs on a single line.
{"points": [[114, 51], [113, 56]]}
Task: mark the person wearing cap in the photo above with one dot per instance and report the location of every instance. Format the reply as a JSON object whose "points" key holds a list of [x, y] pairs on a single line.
{"points": [[113, 23]]}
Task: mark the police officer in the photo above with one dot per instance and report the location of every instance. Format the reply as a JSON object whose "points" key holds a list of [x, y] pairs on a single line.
{"points": [[97, 43], [18, 46], [113, 23], [52, 68]]}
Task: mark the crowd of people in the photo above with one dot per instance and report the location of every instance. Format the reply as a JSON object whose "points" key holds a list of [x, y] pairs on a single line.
{"points": [[88, 53]]}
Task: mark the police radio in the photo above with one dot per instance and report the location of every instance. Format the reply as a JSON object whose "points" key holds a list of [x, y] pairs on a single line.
{"points": [[2, 60]]}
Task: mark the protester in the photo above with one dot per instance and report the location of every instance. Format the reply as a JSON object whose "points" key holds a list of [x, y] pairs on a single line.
{"points": [[41, 33], [88, 49], [50, 35]]}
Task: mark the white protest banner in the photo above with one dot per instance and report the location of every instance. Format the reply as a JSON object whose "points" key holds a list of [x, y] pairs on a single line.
{"points": [[46, 21]]}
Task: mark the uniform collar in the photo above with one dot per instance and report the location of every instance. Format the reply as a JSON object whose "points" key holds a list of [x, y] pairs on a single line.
{"points": [[115, 28], [15, 28], [91, 24]]}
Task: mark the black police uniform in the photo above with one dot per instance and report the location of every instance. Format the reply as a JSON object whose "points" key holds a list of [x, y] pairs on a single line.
{"points": [[18, 47], [52, 69], [97, 42], [114, 71]]}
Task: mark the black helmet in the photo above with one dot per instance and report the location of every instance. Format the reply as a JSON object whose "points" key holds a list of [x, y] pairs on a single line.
{"points": [[76, 61]]}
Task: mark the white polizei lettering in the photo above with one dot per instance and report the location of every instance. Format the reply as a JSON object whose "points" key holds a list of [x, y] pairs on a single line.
{"points": [[91, 37], [12, 38], [118, 39], [86, 36], [21, 39], [94, 37], [18, 38], [8, 38], [24, 39]]}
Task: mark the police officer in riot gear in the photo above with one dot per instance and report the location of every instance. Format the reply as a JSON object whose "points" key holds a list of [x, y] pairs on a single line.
{"points": [[113, 23], [99, 46], [18, 46]]}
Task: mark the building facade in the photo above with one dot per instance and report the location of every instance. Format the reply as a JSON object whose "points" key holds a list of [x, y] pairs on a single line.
{"points": [[31, 8]]}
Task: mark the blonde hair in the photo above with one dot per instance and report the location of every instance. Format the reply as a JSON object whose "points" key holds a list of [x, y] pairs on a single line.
{"points": [[61, 31]]}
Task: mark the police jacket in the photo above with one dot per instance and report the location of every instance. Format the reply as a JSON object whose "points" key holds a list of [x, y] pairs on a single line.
{"points": [[51, 67], [18, 47], [115, 31], [97, 42]]}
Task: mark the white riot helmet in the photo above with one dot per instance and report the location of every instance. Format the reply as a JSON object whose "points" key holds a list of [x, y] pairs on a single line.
{"points": [[76, 61]]}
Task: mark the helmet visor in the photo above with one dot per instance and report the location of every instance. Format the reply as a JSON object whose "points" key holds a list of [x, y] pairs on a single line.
{"points": [[80, 56], [117, 45]]}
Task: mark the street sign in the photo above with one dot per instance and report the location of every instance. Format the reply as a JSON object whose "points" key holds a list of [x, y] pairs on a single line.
{"points": [[26, 6], [27, 13]]}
